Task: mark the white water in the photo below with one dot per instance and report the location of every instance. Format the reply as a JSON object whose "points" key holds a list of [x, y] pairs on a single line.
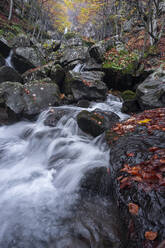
{"points": [[79, 67], [40, 171], [8, 59]]}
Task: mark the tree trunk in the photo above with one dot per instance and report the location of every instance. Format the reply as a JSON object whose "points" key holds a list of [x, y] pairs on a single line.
{"points": [[11, 10]]}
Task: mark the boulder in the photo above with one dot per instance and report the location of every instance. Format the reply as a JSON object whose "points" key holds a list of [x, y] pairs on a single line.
{"points": [[137, 169], [21, 40], [57, 74], [96, 122], [73, 54], [96, 181], [55, 114], [76, 41], [11, 94], [85, 85], [30, 54], [9, 74], [4, 48], [39, 95], [151, 93], [38, 73], [30, 99], [21, 64], [97, 51], [2, 61]]}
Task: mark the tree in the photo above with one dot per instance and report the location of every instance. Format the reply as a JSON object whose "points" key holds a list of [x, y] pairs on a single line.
{"points": [[10, 10]]}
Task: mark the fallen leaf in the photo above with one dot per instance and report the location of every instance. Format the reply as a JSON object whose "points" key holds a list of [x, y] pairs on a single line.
{"points": [[150, 235], [133, 208]]}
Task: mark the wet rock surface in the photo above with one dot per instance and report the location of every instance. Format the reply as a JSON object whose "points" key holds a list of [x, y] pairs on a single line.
{"points": [[151, 93], [29, 99], [138, 176], [96, 122], [9, 74], [2, 61], [85, 85]]}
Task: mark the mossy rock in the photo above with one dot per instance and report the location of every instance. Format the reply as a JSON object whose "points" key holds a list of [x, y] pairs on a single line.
{"points": [[128, 95]]}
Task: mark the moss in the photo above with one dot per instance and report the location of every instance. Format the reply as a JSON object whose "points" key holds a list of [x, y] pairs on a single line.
{"points": [[70, 35], [128, 95], [122, 60]]}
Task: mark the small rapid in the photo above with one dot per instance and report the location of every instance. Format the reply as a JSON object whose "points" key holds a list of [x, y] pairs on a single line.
{"points": [[41, 168]]}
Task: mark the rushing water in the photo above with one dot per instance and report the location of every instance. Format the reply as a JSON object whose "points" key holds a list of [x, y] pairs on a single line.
{"points": [[40, 171], [8, 59]]}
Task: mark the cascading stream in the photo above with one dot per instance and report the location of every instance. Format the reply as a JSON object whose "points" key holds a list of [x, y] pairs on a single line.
{"points": [[41, 168]]}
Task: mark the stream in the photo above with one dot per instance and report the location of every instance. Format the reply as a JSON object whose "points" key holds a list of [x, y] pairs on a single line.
{"points": [[41, 170]]}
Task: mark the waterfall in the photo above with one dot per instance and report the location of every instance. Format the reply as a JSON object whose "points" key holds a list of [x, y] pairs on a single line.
{"points": [[41, 168], [66, 30], [79, 67], [8, 59]]}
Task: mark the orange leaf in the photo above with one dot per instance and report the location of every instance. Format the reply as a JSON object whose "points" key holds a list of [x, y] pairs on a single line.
{"points": [[151, 235], [131, 154], [133, 208]]}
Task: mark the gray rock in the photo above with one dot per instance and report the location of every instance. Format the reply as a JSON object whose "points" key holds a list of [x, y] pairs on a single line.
{"points": [[38, 96], [9, 74], [71, 54], [37, 73], [151, 93], [29, 99], [12, 92], [29, 54], [96, 122], [2, 61], [85, 85], [4, 48]]}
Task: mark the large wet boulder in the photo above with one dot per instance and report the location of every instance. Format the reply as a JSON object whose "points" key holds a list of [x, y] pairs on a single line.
{"points": [[96, 122], [96, 181], [130, 103], [11, 95], [151, 93], [55, 114], [9, 74], [39, 95], [21, 64], [4, 48], [29, 54], [73, 55], [29, 99], [2, 61], [85, 85], [54, 71], [137, 165], [97, 50]]}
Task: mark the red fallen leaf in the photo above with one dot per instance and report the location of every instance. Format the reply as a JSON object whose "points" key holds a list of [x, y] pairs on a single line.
{"points": [[153, 149], [119, 178], [150, 235], [125, 182], [133, 208], [162, 160], [137, 179], [126, 168], [131, 154]]}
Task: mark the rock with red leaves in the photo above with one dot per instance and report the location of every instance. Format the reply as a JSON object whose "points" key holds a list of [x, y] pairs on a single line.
{"points": [[137, 164]]}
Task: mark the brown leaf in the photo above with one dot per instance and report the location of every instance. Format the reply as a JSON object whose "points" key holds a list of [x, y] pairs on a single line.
{"points": [[133, 208], [150, 235]]}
